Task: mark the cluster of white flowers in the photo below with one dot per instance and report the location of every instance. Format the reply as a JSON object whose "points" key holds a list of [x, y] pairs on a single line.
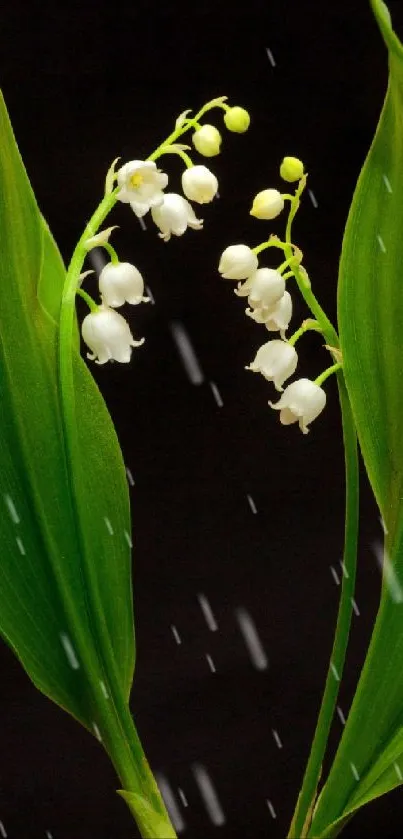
{"points": [[141, 185], [270, 304]]}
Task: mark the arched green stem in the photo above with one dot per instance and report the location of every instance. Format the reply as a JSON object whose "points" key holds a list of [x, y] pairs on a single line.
{"points": [[328, 372], [308, 324], [88, 299]]}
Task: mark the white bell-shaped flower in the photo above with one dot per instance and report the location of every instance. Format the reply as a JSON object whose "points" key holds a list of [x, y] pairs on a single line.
{"points": [[174, 215], [263, 288], [237, 262], [199, 184], [108, 335], [302, 401], [267, 204], [141, 185], [276, 361], [275, 318], [121, 283]]}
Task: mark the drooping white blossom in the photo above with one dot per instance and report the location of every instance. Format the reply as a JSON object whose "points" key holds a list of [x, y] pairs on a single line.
{"points": [[237, 262], [275, 318], [199, 184], [174, 215], [302, 401], [263, 288], [276, 361], [121, 283], [108, 335], [267, 204], [141, 185]]}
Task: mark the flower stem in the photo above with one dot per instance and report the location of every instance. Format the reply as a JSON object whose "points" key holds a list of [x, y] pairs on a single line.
{"points": [[300, 822], [328, 372]]}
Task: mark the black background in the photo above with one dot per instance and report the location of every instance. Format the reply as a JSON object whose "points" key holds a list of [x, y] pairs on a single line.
{"points": [[87, 82]]}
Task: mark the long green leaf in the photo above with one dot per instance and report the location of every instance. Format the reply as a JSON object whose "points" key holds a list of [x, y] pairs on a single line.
{"points": [[370, 305], [65, 576]]}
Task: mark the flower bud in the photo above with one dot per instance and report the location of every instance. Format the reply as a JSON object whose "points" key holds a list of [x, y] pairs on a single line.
{"points": [[237, 119], [302, 401], [108, 335], [121, 283], [174, 215], [237, 262], [207, 140], [199, 184], [276, 361], [291, 169], [267, 204]]}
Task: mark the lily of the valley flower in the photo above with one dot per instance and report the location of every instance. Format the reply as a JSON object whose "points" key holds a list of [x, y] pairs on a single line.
{"points": [[267, 204], [141, 185], [207, 140], [302, 401], [108, 335], [199, 184], [237, 262], [276, 361], [275, 318], [174, 215], [263, 288], [291, 169], [121, 283]]}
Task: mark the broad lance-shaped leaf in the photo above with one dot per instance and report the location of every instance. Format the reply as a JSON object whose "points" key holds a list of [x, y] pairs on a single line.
{"points": [[369, 760], [65, 567]]}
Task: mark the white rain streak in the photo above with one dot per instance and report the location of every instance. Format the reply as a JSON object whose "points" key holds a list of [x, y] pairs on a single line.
{"points": [[271, 809], [208, 794], [383, 525], [217, 395], [170, 802], [97, 258], [398, 771], [344, 569], [341, 715], [129, 476], [381, 243], [186, 352], [270, 56], [128, 539], [3, 830], [20, 546], [176, 635], [142, 223], [335, 575], [385, 565], [48, 835], [252, 641], [97, 732], [334, 671], [70, 653], [277, 738], [207, 612], [252, 504], [103, 688], [11, 509], [313, 198], [109, 526], [150, 294], [387, 183], [354, 771], [182, 797], [211, 663], [355, 607]]}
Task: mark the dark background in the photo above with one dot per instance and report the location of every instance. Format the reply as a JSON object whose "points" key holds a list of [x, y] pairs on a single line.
{"points": [[87, 82]]}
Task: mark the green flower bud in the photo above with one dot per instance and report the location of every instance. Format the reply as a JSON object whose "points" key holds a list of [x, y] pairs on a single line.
{"points": [[291, 169], [237, 119], [207, 140]]}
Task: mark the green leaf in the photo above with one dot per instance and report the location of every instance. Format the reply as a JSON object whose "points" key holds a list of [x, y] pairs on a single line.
{"points": [[370, 307], [65, 568], [152, 821]]}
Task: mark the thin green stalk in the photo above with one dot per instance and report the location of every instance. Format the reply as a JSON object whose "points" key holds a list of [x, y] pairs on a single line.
{"points": [[299, 826]]}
